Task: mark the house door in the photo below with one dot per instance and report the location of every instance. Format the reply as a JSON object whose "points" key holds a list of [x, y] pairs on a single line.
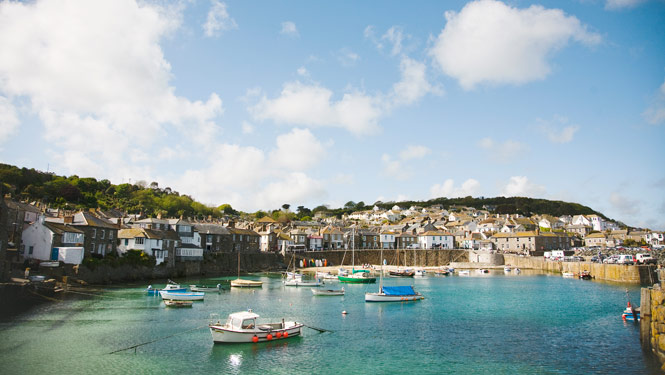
{"points": [[54, 253]]}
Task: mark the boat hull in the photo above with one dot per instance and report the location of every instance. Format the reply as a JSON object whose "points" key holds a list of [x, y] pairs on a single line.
{"points": [[179, 296], [240, 283], [199, 288], [357, 280], [380, 297], [221, 335], [297, 283], [173, 303], [327, 292]]}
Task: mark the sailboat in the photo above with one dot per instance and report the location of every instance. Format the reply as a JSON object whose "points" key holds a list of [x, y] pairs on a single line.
{"points": [[392, 293], [296, 279], [242, 283], [356, 276]]}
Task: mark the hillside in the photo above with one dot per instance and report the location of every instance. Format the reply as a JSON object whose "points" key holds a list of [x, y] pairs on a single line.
{"points": [[74, 192]]}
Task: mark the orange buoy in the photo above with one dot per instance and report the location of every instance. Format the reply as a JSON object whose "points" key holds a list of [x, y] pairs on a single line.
{"points": [[255, 339], [269, 337], [286, 334], [279, 334]]}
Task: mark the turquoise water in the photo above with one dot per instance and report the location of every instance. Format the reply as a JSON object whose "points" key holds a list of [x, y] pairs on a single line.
{"points": [[495, 324]]}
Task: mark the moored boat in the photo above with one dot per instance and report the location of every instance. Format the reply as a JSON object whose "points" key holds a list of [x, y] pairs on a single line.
{"points": [[585, 275], [171, 286], [402, 273], [420, 272], [392, 293], [567, 274], [631, 313], [298, 281], [175, 303], [507, 269], [242, 327], [325, 276], [441, 272], [242, 283], [328, 292], [205, 288], [482, 270], [182, 296], [358, 278], [463, 272]]}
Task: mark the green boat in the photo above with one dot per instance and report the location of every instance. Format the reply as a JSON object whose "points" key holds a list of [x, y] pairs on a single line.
{"points": [[358, 278]]}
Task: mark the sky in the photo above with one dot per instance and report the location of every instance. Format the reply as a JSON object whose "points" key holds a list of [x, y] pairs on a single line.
{"points": [[263, 103]]}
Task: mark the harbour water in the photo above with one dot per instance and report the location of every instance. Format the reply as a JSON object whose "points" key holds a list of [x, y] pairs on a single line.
{"points": [[531, 323]]}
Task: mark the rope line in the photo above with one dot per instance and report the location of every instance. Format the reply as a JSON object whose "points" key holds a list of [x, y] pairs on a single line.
{"points": [[157, 339]]}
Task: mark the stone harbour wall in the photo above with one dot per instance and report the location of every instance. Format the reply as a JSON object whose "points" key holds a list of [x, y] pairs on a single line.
{"points": [[652, 322], [645, 275]]}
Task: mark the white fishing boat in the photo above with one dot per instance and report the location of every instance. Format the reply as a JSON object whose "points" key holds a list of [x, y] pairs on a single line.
{"points": [[182, 296], [328, 292], [507, 269], [174, 303], [205, 288], [298, 281], [170, 287], [342, 272], [482, 270], [325, 276], [420, 272], [517, 270], [242, 327], [392, 293], [568, 274], [463, 273]]}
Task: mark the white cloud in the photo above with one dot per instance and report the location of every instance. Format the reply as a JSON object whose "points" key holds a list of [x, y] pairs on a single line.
{"points": [[621, 4], [346, 57], [469, 188], [489, 41], [218, 20], [111, 81], [414, 152], [655, 114], [296, 187], [503, 152], [394, 35], [520, 186], [413, 84], [623, 205], [394, 169], [247, 128], [297, 150], [289, 28], [8, 120], [302, 71], [558, 134], [312, 105], [343, 179]]}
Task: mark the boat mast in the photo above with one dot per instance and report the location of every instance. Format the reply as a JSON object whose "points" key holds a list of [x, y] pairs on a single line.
{"points": [[381, 274]]}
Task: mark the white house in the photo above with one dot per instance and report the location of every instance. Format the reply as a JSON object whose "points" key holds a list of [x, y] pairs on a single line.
{"points": [[146, 240], [436, 240], [598, 223], [50, 241], [387, 240]]}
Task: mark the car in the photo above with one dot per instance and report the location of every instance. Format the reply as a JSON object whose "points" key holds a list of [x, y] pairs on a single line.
{"points": [[598, 258], [625, 259], [645, 259], [413, 246], [611, 259]]}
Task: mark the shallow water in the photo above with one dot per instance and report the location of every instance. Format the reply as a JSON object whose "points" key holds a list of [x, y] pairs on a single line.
{"points": [[499, 324]]}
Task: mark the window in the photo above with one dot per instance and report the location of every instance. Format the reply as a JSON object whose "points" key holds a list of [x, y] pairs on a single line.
{"points": [[103, 233], [100, 250], [30, 249], [138, 240], [110, 235], [126, 241], [94, 233]]}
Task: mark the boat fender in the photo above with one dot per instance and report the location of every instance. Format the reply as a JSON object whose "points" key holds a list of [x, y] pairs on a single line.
{"points": [[269, 337], [279, 335], [286, 334], [255, 339]]}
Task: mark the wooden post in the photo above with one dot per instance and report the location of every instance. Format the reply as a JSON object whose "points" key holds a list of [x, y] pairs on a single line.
{"points": [[645, 319]]}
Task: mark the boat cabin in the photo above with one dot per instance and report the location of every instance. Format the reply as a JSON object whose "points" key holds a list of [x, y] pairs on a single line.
{"points": [[242, 320]]}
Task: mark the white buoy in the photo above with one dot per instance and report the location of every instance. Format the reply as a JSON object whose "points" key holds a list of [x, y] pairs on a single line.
{"points": [[344, 312]]}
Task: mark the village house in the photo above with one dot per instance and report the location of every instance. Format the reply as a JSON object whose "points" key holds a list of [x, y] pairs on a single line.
{"points": [[595, 240], [436, 240], [387, 240], [215, 238], [151, 242], [49, 241], [245, 240], [530, 241], [100, 234], [19, 217], [406, 240]]}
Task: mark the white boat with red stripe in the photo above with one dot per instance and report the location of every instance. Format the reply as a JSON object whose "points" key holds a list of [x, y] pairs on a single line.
{"points": [[242, 327]]}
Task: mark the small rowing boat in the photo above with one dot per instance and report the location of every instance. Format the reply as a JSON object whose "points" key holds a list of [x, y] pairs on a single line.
{"points": [[205, 288], [328, 292], [174, 303], [182, 296]]}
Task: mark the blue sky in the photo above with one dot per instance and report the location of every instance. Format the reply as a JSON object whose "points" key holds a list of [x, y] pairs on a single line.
{"points": [[263, 103]]}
